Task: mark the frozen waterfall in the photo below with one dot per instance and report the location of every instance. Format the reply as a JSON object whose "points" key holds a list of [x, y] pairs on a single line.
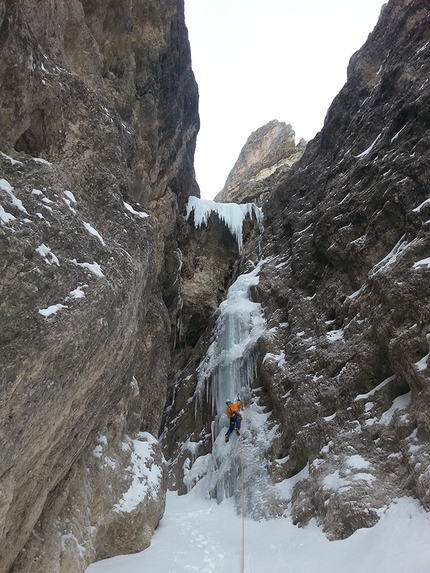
{"points": [[229, 366], [228, 369]]}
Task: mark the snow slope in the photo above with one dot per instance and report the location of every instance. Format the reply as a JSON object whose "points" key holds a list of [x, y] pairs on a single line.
{"points": [[197, 535]]}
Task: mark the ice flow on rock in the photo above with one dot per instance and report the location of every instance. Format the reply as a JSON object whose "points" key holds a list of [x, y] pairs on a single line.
{"points": [[228, 369]]}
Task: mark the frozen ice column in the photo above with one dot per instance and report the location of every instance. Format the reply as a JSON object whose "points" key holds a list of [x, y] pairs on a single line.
{"points": [[229, 364]]}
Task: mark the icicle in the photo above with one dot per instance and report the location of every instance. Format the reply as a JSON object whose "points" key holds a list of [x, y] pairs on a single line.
{"points": [[260, 238], [232, 214], [178, 272], [180, 302]]}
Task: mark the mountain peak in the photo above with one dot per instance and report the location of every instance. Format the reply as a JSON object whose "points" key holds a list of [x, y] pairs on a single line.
{"points": [[268, 149]]}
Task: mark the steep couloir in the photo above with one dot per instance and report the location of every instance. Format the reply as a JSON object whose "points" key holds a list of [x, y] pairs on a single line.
{"points": [[343, 367]]}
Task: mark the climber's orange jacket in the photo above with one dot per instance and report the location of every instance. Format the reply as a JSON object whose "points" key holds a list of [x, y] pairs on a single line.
{"points": [[233, 409]]}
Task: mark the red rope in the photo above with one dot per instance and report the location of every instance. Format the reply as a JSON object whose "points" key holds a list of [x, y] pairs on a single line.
{"points": [[243, 508]]}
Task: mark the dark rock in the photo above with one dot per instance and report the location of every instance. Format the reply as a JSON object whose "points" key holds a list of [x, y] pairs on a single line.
{"points": [[347, 224]]}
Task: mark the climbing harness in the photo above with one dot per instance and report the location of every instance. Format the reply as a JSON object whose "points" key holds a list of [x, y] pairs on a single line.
{"points": [[243, 505]]}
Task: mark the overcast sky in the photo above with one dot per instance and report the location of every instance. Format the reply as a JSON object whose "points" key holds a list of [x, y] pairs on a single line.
{"points": [[258, 60]]}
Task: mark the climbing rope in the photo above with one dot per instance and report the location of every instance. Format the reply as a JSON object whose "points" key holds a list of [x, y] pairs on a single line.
{"points": [[243, 506]]}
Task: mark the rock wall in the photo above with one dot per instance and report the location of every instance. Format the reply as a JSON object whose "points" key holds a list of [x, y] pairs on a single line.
{"points": [[344, 369], [107, 294], [269, 152], [98, 120], [351, 284]]}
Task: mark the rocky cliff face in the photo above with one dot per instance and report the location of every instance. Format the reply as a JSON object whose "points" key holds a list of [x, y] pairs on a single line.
{"points": [[342, 370], [269, 150], [98, 121], [352, 284], [109, 296]]}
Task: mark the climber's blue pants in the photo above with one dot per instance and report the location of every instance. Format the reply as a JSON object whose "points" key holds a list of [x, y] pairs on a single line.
{"points": [[234, 423]]}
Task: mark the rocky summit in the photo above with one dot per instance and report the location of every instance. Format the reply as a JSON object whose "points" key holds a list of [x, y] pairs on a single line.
{"points": [[268, 150], [130, 313]]}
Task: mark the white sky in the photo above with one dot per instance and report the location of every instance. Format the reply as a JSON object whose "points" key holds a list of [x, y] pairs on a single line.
{"points": [[259, 60]]}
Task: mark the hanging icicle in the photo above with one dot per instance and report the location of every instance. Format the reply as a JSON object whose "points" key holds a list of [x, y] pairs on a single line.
{"points": [[232, 214]]}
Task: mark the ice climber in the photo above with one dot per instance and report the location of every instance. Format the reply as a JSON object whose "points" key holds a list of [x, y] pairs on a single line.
{"points": [[234, 416]]}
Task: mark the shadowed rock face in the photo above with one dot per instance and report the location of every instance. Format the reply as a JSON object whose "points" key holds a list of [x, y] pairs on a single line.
{"points": [[98, 120], [345, 293], [347, 288]]}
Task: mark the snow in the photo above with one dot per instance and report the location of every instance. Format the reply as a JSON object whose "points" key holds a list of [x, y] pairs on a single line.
{"points": [[41, 161], [392, 256], [140, 214], [146, 474], [51, 310], [397, 135], [334, 335], [68, 199], [336, 483], [400, 403], [423, 47], [422, 364], [423, 204], [93, 267], [5, 217], [232, 214], [376, 389], [7, 188], [193, 473], [356, 293], [93, 231], [78, 292], [422, 263], [369, 478], [47, 254], [357, 462], [278, 358], [12, 161], [98, 451], [369, 149], [196, 535], [284, 489], [70, 196]]}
